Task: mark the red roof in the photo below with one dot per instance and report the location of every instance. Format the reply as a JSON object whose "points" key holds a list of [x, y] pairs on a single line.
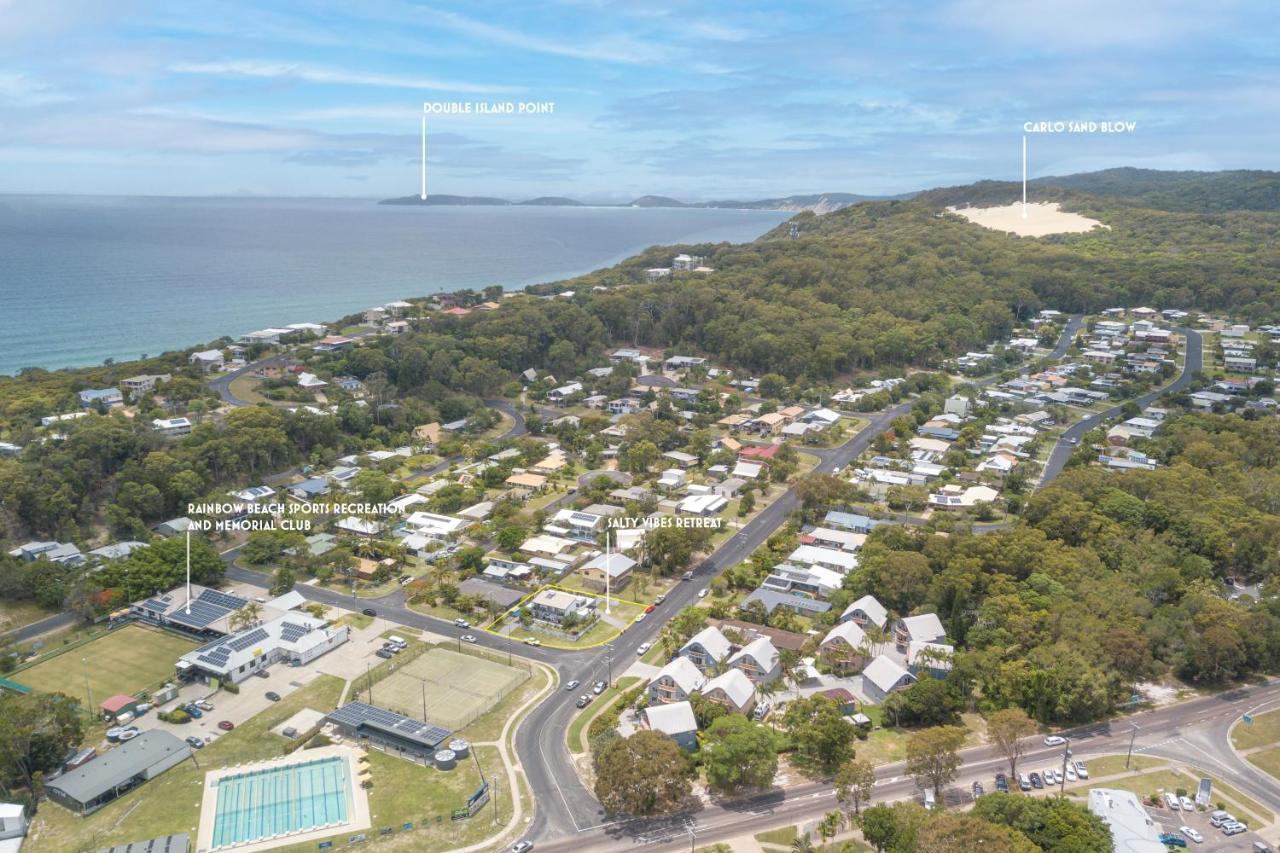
{"points": [[117, 703], [766, 452], [839, 694]]}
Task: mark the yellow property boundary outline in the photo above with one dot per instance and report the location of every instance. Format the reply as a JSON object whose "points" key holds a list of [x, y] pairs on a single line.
{"points": [[507, 614]]}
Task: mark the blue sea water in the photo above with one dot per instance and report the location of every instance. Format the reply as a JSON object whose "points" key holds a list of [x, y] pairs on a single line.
{"points": [[87, 278]]}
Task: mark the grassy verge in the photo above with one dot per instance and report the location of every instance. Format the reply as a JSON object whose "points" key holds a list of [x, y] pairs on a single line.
{"points": [[782, 837], [578, 728], [16, 614], [1264, 731], [1110, 765]]}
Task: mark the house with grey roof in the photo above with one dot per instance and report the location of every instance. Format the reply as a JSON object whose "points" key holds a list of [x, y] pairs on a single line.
{"points": [[883, 676], [845, 648], [924, 628], [758, 660], [707, 649], [733, 690], [676, 721], [676, 682], [866, 611]]}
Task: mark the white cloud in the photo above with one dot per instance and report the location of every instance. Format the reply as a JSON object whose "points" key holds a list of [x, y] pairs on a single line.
{"points": [[273, 69], [626, 51], [22, 90]]}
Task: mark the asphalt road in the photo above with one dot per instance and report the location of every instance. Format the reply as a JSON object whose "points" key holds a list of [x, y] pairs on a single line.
{"points": [[1192, 731], [1070, 439]]}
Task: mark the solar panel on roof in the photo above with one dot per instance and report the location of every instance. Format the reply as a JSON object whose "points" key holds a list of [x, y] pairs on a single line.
{"points": [[243, 642], [290, 632], [201, 615], [222, 599]]}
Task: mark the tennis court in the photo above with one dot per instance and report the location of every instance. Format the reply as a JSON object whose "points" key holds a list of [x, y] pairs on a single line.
{"points": [[456, 687]]}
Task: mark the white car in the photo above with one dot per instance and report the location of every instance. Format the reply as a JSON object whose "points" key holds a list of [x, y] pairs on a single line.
{"points": [[1171, 801], [1081, 770], [1054, 740], [640, 618], [1071, 773], [1192, 834], [702, 593], [468, 638], [644, 647], [1187, 805], [1051, 776]]}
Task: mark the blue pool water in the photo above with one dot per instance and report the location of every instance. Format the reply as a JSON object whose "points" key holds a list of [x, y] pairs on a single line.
{"points": [[280, 800]]}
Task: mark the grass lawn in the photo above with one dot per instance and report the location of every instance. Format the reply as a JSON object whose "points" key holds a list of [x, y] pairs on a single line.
{"points": [[127, 660], [580, 724], [15, 614], [246, 388], [356, 620], [656, 655], [1109, 765], [782, 837], [1264, 731], [1268, 760], [171, 802], [1144, 784]]}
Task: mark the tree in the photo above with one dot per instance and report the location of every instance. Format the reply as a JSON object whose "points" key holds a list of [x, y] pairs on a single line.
{"points": [[511, 537], [245, 617], [933, 757], [880, 827], [854, 782], [822, 738], [1051, 823], [36, 731], [1008, 729], [830, 825], [282, 581], [645, 774], [928, 702], [161, 566], [803, 844], [946, 833], [739, 755]]}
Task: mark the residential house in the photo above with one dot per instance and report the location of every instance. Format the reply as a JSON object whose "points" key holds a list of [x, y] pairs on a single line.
{"points": [[733, 690], [309, 489], [865, 612], [676, 682], [144, 383], [54, 552], [172, 427], [207, 360], [708, 649], [829, 558], [845, 648], [562, 395], [843, 540], [772, 599], [579, 525], [556, 606], [883, 676], [925, 628], [706, 506], [436, 527], [852, 522], [363, 527], [758, 660], [676, 721], [91, 397], [615, 567], [932, 659]]}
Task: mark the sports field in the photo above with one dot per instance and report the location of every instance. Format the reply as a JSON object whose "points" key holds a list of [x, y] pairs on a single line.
{"points": [[127, 660], [459, 687]]}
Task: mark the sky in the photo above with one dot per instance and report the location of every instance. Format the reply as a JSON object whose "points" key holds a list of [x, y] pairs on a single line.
{"points": [[698, 100]]}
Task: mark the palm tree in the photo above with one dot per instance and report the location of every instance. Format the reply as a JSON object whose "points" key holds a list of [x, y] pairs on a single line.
{"points": [[803, 844], [245, 617], [829, 826]]}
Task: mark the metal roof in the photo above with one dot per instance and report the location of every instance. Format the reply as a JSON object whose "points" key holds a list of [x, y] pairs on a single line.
{"points": [[361, 715], [119, 765]]}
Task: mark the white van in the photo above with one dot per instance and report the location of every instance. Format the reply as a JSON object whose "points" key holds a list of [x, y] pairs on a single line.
{"points": [[397, 641]]}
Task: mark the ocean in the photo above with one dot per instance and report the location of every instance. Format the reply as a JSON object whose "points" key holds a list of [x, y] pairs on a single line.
{"points": [[84, 278]]}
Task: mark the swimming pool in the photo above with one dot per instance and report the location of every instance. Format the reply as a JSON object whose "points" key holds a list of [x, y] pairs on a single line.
{"points": [[274, 801]]}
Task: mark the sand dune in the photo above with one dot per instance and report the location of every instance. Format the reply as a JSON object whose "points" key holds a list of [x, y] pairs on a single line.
{"points": [[1041, 219]]}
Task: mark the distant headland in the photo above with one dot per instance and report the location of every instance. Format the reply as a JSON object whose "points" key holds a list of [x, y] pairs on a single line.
{"points": [[817, 202]]}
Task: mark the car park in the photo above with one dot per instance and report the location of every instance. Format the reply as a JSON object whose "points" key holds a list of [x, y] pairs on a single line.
{"points": [[195, 742], [468, 638], [1192, 834], [570, 686], [1186, 803], [643, 647], [1036, 781], [226, 725], [272, 696]]}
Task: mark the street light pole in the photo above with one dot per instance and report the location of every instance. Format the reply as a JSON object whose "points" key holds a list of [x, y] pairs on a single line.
{"points": [[1133, 733], [1066, 750]]}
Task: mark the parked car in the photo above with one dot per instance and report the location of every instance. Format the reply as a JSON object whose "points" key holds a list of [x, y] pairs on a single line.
{"points": [[1051, 776], [194, 742], [262, 673], [643, 647], [195, 712], [977, 790], [468, 638], [369, 611], [1233, 828], [522, 847], [1192, 834], [1186, 803], [1036, 781], [928, 799], [226, 725], [1171, 801], [599, 687], [272, 696], [385, 654], [1002, 784], [571, 685], [687, 576], [1071, 773], [462, 623], [1172, 839], [1054, 740], [660, 599], [1081, 770], [1218, 818], [203, 705], [532, 641], [650, 608], [702, 593], [640, 618], [1024, 784]]}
